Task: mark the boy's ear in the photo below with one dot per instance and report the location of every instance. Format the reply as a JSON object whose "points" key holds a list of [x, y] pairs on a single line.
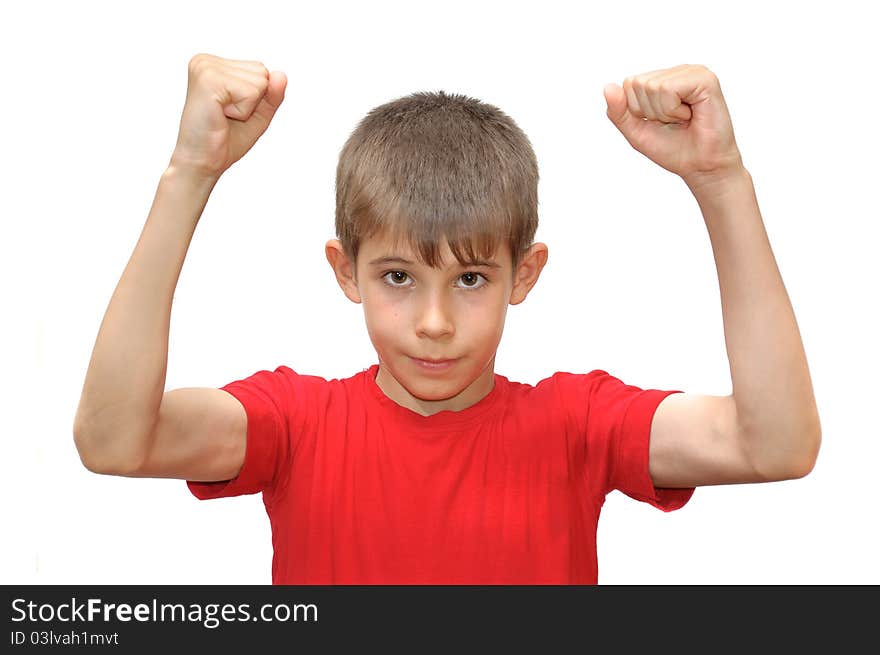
{"points": [[527, 272], [343, 269]]}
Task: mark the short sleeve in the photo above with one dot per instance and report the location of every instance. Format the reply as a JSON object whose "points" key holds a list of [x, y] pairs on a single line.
{"points": [[617, 432], [269, 400]]}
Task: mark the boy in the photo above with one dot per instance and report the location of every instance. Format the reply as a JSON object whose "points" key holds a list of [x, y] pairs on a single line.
{"points": [[430, 468]]}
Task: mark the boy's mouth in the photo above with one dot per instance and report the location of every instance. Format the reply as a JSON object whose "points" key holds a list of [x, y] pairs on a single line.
{"points": [[434, 364]]}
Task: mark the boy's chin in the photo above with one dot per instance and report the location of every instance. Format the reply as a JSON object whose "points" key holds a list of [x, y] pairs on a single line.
{"points": [[431, 384], [432, 391], [432, 387]]}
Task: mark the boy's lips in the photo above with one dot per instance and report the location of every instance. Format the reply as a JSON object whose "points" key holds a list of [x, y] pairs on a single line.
{"points": [[433, 364]]}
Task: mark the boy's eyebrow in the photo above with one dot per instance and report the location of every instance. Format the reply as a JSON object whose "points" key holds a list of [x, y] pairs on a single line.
{"points": [[400, 260]]}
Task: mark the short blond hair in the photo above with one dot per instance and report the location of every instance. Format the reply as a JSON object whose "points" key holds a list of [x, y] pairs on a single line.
{"points": [[433, 166]]}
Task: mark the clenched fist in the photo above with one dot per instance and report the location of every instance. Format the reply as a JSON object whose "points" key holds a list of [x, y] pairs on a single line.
{"points": [[678, 118], [229, 104]]}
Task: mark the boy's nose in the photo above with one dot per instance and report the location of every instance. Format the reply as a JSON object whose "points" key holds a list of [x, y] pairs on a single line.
{"points": [[434, 319]]}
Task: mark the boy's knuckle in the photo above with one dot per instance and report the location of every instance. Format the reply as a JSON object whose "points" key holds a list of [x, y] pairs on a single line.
{"points": [[197, 61]]}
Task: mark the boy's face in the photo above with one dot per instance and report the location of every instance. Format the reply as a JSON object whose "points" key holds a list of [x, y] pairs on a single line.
{"points": [[414, 312]]}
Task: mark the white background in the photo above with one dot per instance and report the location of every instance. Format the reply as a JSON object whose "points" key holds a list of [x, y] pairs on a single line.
{"points": [[92, 95]]}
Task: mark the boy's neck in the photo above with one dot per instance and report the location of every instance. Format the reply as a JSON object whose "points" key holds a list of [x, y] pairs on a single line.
{"points": [[394, 389]]}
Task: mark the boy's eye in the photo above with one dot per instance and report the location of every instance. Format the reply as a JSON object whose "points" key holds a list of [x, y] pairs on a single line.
{"points": [[395, 277], [469, 280], [472, 280]]}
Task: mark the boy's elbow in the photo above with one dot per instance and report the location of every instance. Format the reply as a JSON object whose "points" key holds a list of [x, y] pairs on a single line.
{"points": [[811, 452], [808, 462], [96, 459], [801, 464], [795, 463], [87, 456]]}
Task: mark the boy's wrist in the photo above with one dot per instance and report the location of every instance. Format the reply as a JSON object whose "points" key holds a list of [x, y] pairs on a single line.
{"points": [[718, 183], [181, 173]]}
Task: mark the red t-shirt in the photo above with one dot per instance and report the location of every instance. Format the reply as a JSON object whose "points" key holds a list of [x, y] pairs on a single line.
{"points": [[361, 490]]}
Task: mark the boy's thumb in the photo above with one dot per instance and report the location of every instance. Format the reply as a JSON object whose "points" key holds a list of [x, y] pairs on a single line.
{"points": [[277, 87], [617, 112]]}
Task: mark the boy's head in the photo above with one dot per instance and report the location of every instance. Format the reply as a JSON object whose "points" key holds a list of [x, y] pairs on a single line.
{"points": [[444, 182]]}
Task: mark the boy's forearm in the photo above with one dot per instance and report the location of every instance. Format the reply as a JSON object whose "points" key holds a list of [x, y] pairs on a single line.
{"points": [[772, 388], [125, 379]]}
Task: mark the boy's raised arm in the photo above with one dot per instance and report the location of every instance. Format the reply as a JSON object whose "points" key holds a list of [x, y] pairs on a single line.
{"points": [[117, 427], [768, 429]]}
